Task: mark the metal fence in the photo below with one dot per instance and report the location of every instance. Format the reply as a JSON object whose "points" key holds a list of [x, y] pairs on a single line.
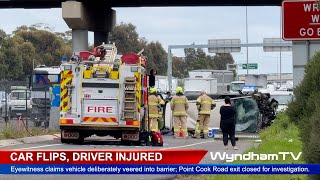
{"points": [[5, 84], [19, 110]]}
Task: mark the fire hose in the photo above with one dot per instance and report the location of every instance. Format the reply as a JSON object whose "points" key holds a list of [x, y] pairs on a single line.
{"points": [[24, 125]]}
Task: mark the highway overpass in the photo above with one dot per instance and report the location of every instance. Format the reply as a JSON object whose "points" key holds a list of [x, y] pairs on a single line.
{"points": [[138, 3]]}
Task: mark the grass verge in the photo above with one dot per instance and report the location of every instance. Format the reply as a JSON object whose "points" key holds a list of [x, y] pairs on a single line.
{"points": [[282, 136], [13, 132]]}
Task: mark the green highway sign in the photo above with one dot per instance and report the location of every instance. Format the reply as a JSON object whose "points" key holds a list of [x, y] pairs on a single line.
{"points": [[251, 66]]}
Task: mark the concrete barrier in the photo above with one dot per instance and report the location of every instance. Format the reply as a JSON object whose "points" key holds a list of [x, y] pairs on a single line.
{"points": [[54, 118]]}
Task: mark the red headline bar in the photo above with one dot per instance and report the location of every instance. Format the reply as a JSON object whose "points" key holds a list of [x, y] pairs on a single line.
{"points": [[102, 157]]}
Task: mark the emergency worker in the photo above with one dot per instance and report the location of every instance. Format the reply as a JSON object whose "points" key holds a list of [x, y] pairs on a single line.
{"points": [[179, 106], [161, 110], [153, 103], [204, 104]]}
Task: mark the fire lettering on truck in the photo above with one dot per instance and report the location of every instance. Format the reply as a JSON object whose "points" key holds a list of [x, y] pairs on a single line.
{"points": [[99, 109]]}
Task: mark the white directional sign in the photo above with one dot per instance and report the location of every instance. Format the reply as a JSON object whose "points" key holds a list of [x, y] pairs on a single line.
{"points": [[270, 45], [229, 45]]}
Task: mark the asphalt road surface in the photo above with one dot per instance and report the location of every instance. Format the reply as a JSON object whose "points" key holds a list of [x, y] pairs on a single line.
{"points": [[96, 144]]}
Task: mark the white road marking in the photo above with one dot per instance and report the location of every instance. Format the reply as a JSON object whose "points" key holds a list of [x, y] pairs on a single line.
{"points": [[187, 145], [36, 147]]}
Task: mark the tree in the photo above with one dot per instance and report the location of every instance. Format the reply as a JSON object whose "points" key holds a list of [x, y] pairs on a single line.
{"points": [[11, 61], [3, 35], [222, 59], [197, 59], [27, 52], [40, 44], [126, 38], [179, 67], [157, 57], [211, 62], [49, 48], [31, 44], [304, 110], [66, 36], [190, 54]]}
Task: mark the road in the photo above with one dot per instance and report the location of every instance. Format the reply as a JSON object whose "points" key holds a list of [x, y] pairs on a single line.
{"points": [[96, 144]]}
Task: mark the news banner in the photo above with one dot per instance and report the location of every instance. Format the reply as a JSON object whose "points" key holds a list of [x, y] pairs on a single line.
{"points": [[143, 162]]}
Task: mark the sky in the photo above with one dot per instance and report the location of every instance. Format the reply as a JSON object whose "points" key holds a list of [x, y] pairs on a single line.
{"points": [[183, 26]]}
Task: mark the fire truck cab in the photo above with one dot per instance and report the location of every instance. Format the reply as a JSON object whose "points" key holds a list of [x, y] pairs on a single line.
{"points": [[103, 94]]}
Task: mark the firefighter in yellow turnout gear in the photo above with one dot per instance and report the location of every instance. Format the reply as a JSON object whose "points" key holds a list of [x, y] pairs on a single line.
{"points": [[153, 103], [179, 105], [204, 104]]}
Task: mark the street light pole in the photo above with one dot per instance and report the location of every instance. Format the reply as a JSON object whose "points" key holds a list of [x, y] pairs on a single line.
{"points": [[280, 48], [27, 107], [247, 39], [6, 105]]}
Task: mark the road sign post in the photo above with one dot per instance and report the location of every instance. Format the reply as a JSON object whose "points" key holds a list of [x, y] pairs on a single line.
{"points": [[171, 47], [270, 48]]}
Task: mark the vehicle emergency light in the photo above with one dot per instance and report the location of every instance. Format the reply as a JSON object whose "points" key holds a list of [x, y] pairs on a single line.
{"points": [[66, 121], [133, 123], [130, 58]]}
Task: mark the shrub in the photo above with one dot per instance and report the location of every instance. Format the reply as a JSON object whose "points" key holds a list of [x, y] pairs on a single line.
{"points": [[305, 111]]}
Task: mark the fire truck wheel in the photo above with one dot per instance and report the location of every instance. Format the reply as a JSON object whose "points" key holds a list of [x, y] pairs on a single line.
{"points": [[65, 141], [130, 143], [137, 143], [125, 143], [69, 141], [80, 140]]}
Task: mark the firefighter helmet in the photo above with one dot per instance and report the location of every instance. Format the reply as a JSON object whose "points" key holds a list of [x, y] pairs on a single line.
{"points": [[152, 90], [179, 89]]}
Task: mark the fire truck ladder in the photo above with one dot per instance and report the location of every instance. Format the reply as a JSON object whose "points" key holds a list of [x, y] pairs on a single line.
{"points": [[69, 89], [111, 52], [129, 107]]}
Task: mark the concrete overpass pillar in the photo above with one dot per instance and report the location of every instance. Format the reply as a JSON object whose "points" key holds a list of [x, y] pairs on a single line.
{"points": [[79, 40], [82, 17], [302, 51], [76, 16], [100, 37], [102, 24]]}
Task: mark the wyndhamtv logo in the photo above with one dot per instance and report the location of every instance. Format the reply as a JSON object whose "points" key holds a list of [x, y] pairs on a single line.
{"points": [[250, 156]]}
